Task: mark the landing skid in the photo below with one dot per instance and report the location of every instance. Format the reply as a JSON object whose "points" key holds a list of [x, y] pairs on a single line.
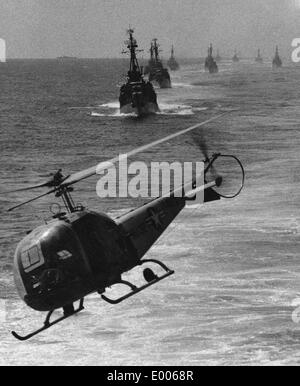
{"points": [[150, 277], [68, 312]]}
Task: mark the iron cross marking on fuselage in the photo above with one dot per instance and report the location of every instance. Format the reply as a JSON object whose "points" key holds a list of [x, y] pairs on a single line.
{"points": [[155, 219]]}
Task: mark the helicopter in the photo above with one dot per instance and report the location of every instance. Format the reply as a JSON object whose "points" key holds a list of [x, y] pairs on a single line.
{"points": [[80, 252]]}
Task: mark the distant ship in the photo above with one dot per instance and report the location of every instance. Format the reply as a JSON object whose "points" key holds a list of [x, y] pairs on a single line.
{"points": [[235, 58], [277, 62], [172, 63], [2, 51], [158, 73], [67, 58], [210, 63], [151, 62], [218, 57], [259, 58], [136, 95]]}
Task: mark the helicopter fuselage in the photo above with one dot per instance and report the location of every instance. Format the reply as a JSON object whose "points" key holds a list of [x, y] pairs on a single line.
{"points": [[69, 258], [84, 252]]}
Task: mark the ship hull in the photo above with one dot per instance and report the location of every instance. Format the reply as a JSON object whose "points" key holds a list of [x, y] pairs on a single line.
{"points": [[173, 65], [164, 83], [138, 98], [211, 66], [277, 64], [148, 109], [212, 70], [162, 79]]}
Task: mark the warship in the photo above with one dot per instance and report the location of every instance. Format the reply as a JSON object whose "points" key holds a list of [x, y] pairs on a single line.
{"points": [[259, 58], [2, 52], [277, 62], [151, 62], [218, 57], [172, 63], [67, 58], [136, 95], [235, 58], [210, 63], [158, 73]]}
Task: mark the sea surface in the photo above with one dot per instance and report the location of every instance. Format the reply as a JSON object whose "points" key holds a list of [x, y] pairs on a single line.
{"points": [[233, 299]]}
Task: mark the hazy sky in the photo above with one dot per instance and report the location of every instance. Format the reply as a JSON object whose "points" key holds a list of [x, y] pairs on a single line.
{"points": [[96, 28]]}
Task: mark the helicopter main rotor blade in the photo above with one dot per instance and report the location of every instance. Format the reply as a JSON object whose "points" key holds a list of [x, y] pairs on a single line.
{"points": [[74, 178], [56, 180], [44, 185], [33, 199]]}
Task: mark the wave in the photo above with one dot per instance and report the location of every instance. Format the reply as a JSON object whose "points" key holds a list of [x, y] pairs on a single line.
{"points": [[165, 109], [182, 85], [116, 115], [111, 105], [175, 109]]}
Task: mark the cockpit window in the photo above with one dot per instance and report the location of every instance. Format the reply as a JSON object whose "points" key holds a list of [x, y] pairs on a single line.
{"points": [[32, 258]]}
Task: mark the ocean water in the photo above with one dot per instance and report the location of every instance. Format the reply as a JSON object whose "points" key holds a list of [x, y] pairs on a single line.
{"points": [[233, 298]]}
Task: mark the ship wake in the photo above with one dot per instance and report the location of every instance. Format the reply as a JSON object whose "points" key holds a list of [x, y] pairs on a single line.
{"points": [[112, 109]]}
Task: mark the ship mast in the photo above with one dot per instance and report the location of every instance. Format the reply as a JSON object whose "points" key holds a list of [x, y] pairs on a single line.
{"points": [[132, 45], [210, 50], [172, 52], [156, 50], [152, 52]]}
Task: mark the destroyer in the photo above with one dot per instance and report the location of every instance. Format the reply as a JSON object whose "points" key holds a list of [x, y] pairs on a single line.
{"points": [[259, 58], [172, 63], [158, 73], [277, 62], [151, 62], [235, 58], [137, 96], [210, 63]]}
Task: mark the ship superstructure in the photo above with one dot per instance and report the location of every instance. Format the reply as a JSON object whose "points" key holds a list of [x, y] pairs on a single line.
{"points": [[277, 62], [172, 63], [158, 73], [259, 58], [235, 58], [210, 63]]}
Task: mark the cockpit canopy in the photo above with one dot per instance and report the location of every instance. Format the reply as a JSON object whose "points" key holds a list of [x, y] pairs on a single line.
{"points": [[50, 266]]}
